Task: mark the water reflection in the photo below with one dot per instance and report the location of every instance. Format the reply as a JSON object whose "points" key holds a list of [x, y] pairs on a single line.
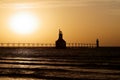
{"points": [[8, 78], [26, 64]]}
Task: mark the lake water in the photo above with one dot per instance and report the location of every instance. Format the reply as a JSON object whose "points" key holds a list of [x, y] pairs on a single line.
{"points": [[59, 64]]}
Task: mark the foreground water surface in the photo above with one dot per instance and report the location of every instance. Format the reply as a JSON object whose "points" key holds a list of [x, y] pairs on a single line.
{"points": [[59, 64]]}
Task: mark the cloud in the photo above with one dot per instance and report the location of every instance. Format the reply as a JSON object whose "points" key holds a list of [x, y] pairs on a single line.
{"points": [[59, 3], [44, 4]]}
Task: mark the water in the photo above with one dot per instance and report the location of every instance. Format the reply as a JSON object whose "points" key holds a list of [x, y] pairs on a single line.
{"points": [[53, 64]]}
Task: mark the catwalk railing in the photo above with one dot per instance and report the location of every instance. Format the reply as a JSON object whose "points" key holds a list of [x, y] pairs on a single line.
{"points": [[46, 45]]}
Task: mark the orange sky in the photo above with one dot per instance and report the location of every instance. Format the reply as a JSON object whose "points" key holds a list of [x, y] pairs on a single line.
{"points": [[80, 20]]}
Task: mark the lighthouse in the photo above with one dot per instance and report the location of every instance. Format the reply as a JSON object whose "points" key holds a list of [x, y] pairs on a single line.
{"points": [[60, 43]]}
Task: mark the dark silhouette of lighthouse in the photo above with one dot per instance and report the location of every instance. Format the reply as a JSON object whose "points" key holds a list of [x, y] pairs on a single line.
{"points": [[60, 43], [97, 43]]}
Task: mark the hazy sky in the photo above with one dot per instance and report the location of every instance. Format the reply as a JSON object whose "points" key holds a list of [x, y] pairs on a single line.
{"points": [[80, 20]]}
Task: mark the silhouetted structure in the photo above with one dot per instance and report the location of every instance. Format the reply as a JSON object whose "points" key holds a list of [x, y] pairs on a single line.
{"points": [[60, 43], [97, 43]]}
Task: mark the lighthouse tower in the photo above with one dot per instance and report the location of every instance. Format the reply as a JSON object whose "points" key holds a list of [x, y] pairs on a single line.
{"points": [[60, 43], [97, 43]]}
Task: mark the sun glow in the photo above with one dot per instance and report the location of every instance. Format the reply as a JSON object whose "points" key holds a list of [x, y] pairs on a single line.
{"points": [[23, 23]]}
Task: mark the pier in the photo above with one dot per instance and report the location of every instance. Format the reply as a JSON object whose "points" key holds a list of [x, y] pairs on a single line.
{"points": [[90, 45]]}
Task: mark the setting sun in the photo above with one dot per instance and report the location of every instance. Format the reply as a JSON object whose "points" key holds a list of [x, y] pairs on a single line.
{"points": [[23, 23]]}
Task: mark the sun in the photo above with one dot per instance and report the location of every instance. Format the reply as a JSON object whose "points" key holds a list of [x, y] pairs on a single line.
{"points": [[23, 23]]}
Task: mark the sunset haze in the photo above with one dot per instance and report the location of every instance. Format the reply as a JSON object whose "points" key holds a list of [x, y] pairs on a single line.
{"points": [[81, 21]]}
